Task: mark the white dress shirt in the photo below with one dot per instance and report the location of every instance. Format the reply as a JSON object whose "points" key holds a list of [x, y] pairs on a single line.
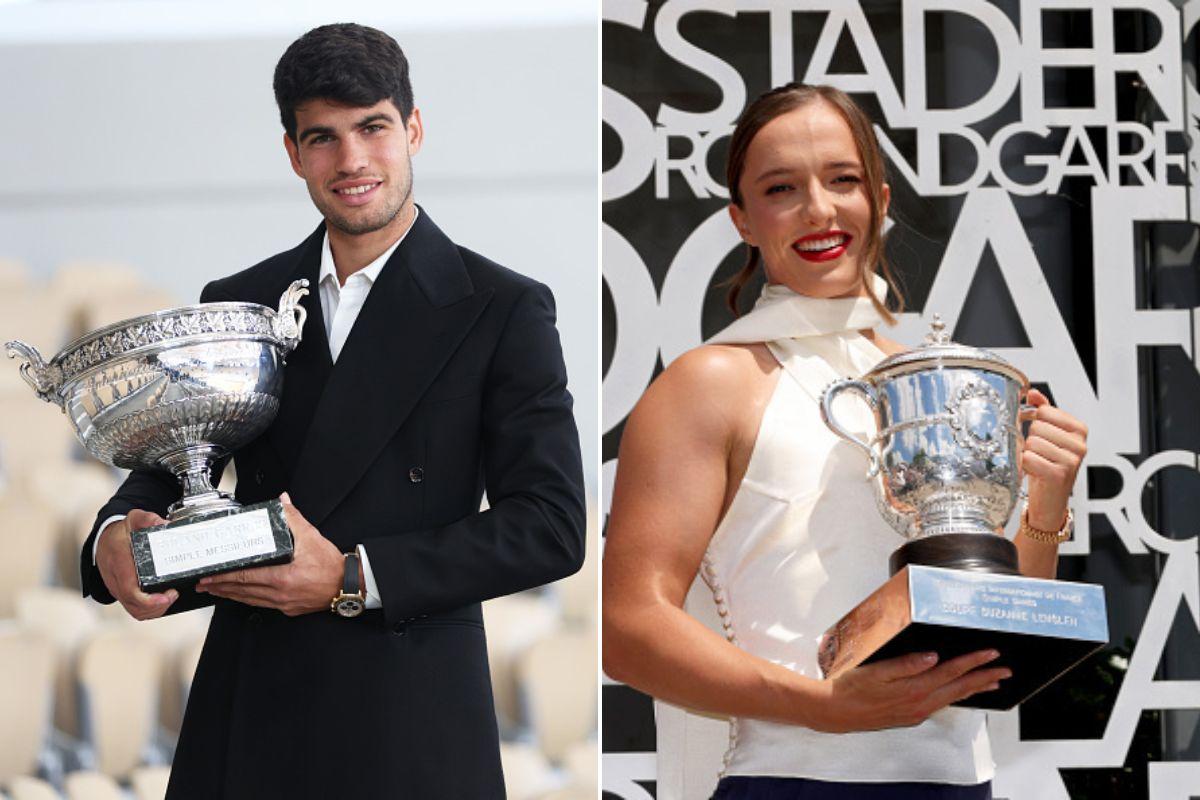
{"points": [[340, 305]]}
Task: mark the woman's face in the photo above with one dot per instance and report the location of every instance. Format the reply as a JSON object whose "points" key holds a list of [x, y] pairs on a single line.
{"points": [[804, 202]]}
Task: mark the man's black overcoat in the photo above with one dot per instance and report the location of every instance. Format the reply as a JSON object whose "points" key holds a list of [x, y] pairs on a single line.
{"points": [[451, 382]]}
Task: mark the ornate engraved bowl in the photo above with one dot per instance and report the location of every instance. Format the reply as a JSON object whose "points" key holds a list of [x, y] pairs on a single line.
{"points": [[176, 389], [946, 458]]}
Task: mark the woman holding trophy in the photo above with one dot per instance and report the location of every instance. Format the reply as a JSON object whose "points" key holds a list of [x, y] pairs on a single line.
{"points": [[728, 473]]}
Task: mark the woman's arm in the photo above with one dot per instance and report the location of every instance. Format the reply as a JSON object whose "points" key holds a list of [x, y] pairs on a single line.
{"points": [[1054, 449], [674, 481]]}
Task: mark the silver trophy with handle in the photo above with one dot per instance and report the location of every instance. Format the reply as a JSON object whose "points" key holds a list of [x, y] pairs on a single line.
{"points": [[179, 390], [945, 464]]}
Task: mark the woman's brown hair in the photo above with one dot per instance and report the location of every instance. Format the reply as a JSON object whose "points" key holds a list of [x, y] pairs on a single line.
{"points": [[778, 102]]}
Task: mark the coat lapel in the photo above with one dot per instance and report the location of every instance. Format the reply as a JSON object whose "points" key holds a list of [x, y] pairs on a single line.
{"points": [[309, 365], [418, 311]]}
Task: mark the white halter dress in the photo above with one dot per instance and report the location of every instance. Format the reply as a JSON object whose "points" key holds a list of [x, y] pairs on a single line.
{"points": [[801, 544]]}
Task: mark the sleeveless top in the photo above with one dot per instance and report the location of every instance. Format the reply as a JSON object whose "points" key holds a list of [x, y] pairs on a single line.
{"points": [[800, 545]]}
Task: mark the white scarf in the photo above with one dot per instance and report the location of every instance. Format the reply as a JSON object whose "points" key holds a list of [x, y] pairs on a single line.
{"points": [[781, 313], [815, 339]]}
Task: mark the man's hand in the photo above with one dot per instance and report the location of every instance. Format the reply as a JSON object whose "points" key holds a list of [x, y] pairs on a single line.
{"points": [[304, 585], [114, 559]]}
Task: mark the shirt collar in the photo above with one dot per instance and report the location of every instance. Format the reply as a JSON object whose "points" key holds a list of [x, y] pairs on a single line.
{"points": [[370, 271]]}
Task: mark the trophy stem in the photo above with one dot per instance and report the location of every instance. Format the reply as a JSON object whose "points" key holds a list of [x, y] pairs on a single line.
{"points": [[192, 466], [972, 552]]}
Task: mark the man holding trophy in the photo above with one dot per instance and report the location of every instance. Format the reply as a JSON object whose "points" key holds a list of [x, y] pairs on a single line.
{"points": [[418, 375]]}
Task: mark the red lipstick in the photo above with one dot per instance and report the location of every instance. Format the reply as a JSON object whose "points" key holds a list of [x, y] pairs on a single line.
{"points": [[823, 246]]}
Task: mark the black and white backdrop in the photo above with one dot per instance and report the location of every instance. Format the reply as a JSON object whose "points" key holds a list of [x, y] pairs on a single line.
{"points": [[1044, 158]]}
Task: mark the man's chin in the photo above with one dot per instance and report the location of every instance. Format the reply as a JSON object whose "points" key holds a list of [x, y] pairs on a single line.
{"points": [[359, 227]]}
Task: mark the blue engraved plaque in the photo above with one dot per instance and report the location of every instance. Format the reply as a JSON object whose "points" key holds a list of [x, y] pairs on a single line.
{"points": [[1042, 628], [1011, 603]]}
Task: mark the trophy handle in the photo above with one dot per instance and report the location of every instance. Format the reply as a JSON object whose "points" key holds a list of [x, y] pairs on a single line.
{"points": [[288, 324], [867, 392], [45, 379]]}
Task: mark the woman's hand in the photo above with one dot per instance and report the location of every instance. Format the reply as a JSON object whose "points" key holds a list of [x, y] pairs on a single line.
{"points": [[1054, 449], [904, 691]]}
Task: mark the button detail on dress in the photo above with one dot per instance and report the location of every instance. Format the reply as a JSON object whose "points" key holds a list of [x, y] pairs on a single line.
{"points": [[259, 477], [416, 474]]}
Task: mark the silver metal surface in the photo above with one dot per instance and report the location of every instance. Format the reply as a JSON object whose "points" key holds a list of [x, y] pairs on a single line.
{"points": [[946, 457], [175, 390]]}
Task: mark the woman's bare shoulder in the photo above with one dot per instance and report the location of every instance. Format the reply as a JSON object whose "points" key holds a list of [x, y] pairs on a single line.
{"points": [[710, 385], [720, 371]]}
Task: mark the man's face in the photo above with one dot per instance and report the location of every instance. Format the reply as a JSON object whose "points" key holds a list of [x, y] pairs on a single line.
{"points": [[356, 162]]}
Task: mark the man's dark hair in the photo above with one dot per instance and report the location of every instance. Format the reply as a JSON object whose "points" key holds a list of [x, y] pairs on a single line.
{"points": [[346, 63]]}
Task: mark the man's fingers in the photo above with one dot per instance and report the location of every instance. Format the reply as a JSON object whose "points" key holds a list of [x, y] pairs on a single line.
{"points": [[242, 594], [255, 576], [140, 518], [292, 515], [142, 605]]}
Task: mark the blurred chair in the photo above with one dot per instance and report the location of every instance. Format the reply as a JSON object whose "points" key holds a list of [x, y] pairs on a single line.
{"points": [[32, 433], [527, 773], [120, 672], [14, 275], [82, 286], [150, 783], [189, 657], [582, 762], [87, 785], [558, 678], [578, 593], [76, 490], [67, 620], [571, 792], [513, 623], [26, 689], [26, 549], [35, 317], [125, 304], [24, 787], [83, 280], [173, 635], [73, 487]]}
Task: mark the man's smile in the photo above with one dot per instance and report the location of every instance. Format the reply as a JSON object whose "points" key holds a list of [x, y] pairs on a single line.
{"points": [[356, 192]]}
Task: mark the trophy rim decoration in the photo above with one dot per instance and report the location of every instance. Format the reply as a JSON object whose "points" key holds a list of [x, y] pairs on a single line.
{"points": [[178, 312], [939, 348], [208, 419]]}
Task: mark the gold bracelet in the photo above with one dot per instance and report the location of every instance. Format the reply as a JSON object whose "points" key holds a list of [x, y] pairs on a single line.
{"points": [[1047, 537]]}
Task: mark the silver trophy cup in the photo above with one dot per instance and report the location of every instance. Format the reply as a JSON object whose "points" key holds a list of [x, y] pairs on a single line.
{"points": [[945, 465], [945, 462], [179, 390]]}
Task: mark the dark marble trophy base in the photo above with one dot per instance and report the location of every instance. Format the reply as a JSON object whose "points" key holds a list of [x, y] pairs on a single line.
{"points": [[1042, 628], [974, 552], [181, 553]]}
